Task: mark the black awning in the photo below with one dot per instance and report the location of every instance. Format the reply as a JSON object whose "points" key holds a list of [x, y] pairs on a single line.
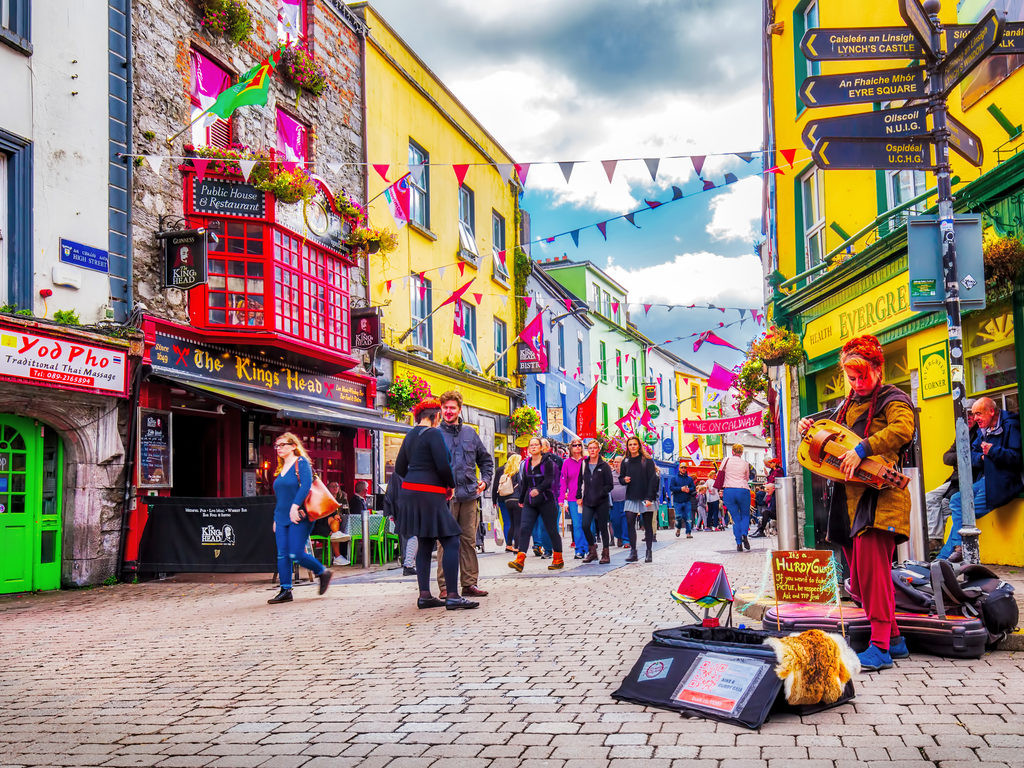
{"points": [[288, 407]]}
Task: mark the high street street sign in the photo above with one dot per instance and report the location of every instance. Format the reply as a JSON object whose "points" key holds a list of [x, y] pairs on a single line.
{"points": [[861, 154], [919, 24], [834, 43], [860, 87], [971, 51]]}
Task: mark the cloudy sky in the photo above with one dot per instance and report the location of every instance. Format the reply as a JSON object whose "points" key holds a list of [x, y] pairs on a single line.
{"points": [[592, 80]]}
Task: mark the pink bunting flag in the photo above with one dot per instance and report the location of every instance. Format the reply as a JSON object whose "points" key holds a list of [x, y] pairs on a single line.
{"points": [[600, 365], [549, 239], [423, 292], [790, 155], [647, 308], [627, 357], [200, 163], [461, 169], [459, 323], [602, 227], [383, 171], [479, 297], [527, 300], [627, 380], [457, 294], [721, 378], [501, 257], [712, 338], [388, 286], [776, 170], [708, 185], [609, 168], [615, 306], [652, 203], [462, 268], [596, 378], [522, 169], [568, 304], [698, 163]]}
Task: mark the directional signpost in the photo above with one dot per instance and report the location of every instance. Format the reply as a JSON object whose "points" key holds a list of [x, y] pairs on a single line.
{"points": [[917, 135]]}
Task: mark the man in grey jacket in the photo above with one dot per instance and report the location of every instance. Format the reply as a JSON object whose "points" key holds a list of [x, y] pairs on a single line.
{"points": [[467, 454]]}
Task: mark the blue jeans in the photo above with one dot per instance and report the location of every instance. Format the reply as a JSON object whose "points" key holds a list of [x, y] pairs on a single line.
{"points": [[957, 513], [683, 515], [737, 501], [618, 517], [506, 523], [291, 548], [540, 536], [579, 539]]}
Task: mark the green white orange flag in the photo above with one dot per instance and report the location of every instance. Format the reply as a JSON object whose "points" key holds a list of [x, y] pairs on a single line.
{"points": [[252, 88]]}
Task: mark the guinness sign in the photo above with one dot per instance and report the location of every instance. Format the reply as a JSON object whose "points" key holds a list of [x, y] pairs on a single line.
{"points": [[184, 258]]}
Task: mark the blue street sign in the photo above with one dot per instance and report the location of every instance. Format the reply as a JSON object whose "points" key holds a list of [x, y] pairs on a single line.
{"points": [[667, 446], [83, 255]]}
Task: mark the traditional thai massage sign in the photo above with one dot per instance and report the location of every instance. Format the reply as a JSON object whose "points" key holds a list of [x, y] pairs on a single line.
{"points": [[804, 576]]}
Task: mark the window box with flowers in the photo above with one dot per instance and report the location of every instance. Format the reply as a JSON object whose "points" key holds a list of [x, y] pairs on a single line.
{"points": [[525, 420], [226, 18], [267, 175], [405, 392], [299, 65]]}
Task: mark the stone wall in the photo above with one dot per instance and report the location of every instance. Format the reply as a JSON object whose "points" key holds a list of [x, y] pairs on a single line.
{"points": [[163, 32]]}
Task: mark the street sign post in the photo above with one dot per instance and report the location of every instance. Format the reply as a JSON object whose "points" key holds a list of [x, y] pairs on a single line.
{"points": [[964, 142], [880, 124], [970, 51], [922, 27], [1012, 41], [837, 43], [863, 87], [903, 154]]}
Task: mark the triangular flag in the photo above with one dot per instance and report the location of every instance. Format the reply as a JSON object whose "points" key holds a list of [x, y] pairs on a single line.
{"points": [[440, 272], [615, 306], [600, 365], [332, 167], [527, 300], [387, 285], [742, 312], [609, 168], [676, 193], [708, 185], [462, 268], [652, 166], [522, 169], [602, 227], [156, 161], [479, 297], [776, 170], [647, 308], [416, 171], [746, 157], [423, 292], [730, 178], [456, 295], [630, 218], [596, 378], [652, 203], [246, 166], [575, 234], [568, 304], [567, 169], [501, 257], [789, 154], [627, 380], [200, 163], [505, 171], [461, 169], [549, 239], [383, 171], [698, 163], [627, 357]]}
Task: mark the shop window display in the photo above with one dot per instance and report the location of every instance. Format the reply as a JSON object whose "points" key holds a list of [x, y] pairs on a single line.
{"points": [[991, 357]]}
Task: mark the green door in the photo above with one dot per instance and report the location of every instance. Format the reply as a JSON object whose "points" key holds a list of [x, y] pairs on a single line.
{"points": [[30, 491]]}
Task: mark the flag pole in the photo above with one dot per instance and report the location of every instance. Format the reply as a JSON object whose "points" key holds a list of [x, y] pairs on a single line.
{"points": [[170, 139]]}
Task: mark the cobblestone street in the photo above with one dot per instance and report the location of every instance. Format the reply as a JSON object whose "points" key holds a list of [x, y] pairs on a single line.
{"points": [[199, 674]]}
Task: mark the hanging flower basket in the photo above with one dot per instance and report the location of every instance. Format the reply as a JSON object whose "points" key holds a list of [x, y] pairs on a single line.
{"points": [[300, 66], [524, 420], [777, 346], [1004, 259], [373, 240], [226, 18], [405, 392]]}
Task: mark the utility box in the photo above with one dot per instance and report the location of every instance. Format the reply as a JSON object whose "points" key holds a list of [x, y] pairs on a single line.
{"points": [[924, 251]]}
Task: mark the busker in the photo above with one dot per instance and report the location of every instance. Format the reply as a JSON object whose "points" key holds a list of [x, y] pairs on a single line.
{"points": [[595, 487], [868, 523]]}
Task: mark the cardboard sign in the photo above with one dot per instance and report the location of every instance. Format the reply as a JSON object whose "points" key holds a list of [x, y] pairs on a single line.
{"points": [[804, 576]]}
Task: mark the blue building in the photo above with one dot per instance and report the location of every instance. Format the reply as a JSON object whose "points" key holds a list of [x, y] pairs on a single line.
{"points": [[557, 391]]}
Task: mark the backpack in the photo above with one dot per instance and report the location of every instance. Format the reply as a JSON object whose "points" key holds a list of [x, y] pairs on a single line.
{"points": [[973, 590], [505, 486]]}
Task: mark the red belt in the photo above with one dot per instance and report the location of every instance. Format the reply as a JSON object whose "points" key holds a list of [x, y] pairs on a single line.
{"points": [[423, 487]]}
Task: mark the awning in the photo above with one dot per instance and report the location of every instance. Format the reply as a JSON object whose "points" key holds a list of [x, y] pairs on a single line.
{"points": [[286, 407]]}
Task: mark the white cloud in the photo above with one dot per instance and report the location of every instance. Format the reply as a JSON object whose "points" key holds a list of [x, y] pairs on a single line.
{"points": [[736, 214], [694, 278]]}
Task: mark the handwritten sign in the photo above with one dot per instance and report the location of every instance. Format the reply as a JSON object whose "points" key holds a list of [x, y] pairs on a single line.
{"points": [[721, 426], [155, 469], [720, 683], [805, 576]]}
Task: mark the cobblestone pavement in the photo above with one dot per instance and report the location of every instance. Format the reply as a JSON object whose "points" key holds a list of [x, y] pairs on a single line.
{"points": [[207, 674]]}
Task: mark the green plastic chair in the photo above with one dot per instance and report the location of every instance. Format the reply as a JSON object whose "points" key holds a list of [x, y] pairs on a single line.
{"points": [[376, 537], [325, 549], [391, 541], [354, 528]]}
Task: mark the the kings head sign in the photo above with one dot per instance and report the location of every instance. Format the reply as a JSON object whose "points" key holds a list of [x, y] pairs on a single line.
{"points": [[184, 258]]}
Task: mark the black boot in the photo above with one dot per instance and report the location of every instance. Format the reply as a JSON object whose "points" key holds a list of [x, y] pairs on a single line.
{"points": [[632, 558], [284, 596], [650, 555], [746, 544]]}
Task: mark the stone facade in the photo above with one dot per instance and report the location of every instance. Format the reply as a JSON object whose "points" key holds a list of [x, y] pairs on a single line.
{"points": [[163, 32]]}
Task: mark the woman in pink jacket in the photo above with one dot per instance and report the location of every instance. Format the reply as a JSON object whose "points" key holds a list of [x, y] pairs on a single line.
{"points": [[569, 482]]}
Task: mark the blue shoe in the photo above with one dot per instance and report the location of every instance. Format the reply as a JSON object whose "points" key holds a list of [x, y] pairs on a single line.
{"points": [[898, 648], [874, 659]]}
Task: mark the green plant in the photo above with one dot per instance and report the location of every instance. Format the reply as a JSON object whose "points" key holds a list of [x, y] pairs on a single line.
{"points": [[404, 392], [287, 186], [348, 208], [373, 240], [137, 161], [1004, 257], [66, 317], [149, 135], [522, 267], [751, 381], [227, 18], [777, 346], [110, 581], [458, 365], [524, 420], [300, 66]]}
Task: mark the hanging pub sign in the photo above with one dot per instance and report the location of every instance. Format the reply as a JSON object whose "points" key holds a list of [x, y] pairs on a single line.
{"points": [[184, 258], [365, 328], [155, 468], [651, 394], [527, 360]]}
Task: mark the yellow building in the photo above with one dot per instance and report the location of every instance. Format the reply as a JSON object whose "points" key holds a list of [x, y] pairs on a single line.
{"points": [[837, 246], [457, 233]]}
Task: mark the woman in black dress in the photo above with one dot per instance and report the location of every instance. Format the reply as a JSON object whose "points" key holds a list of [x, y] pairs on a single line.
{"points": [[427, 484], [640, 476], [595, 489], [537, 495]]}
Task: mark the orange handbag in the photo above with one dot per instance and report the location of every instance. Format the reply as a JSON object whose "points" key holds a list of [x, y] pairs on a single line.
{"points": [[319, 502]]}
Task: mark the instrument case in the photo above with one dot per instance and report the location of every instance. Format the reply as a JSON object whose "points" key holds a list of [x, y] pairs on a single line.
{"points": [[955, 637]]}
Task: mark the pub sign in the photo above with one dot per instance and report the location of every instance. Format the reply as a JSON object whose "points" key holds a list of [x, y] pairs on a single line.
{"points": [[184, 258]]}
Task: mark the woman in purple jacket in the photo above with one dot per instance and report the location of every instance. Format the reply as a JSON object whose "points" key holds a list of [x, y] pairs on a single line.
{"points": [[569, 482]]}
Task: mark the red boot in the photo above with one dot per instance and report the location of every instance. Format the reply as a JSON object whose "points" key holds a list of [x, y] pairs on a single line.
{"points": [[556, 562], [518, 563]]}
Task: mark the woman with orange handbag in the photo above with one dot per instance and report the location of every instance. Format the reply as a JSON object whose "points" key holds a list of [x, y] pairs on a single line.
{"points": [[291, 528]]}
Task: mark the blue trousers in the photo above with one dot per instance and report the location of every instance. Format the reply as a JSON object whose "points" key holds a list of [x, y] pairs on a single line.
{"points": [[737, 501], [956, 508], [506, 522], [540, 536], [618, 518], [683, 515], [579, 539], [291, 548]]}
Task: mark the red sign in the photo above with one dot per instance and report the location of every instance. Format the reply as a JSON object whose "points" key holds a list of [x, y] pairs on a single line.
{"points": [[805, 576], [31, 358], [721, 426]]}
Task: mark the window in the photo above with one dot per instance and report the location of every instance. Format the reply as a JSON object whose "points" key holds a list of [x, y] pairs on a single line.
{"points": [[419, 185], [901, 186], [498, 269], [604, 415], [16, 274], [467, 225], [812, 199], [469, 354], [292, 138], [621, 414], [595, 302], [618, 369], [311, 292], [209, 79], [603, 351], [810, 14], [615, 312], [695, 397], [990, 354], [16, 24], [579, 352], [561, 346], [3, 228], [500, 354], [805, 17], [235, 285], [607, 309], [423, 333], [635, 382], [291, 21]]}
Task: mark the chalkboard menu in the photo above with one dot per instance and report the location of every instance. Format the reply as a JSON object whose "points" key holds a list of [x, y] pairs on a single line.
{"points": [[155, 466], [228, 198]]}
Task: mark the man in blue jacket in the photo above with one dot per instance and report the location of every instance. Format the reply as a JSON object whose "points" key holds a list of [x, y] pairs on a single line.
{"points": [[467, 454], [996, 451], [683, 491]]}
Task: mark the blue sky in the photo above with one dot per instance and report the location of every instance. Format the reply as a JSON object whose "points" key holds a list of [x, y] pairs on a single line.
{"points": [[592, 80]]}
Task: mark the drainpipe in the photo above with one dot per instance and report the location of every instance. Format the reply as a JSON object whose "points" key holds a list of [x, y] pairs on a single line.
{"points": [[129, 65]]}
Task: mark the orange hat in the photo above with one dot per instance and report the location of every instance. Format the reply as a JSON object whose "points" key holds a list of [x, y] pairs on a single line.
{"points": [[866, 347]]}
